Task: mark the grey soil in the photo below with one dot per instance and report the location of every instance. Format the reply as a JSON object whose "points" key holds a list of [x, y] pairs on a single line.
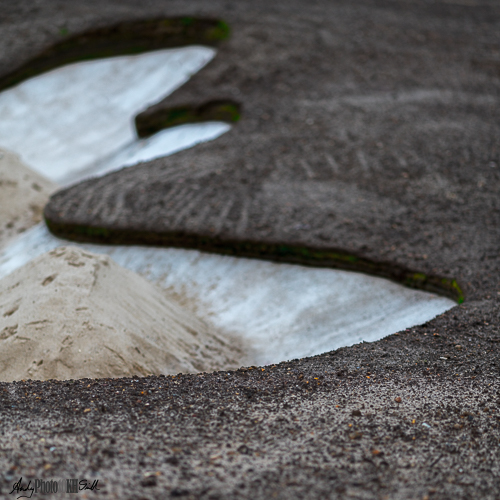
{"points": [[369, 129]]}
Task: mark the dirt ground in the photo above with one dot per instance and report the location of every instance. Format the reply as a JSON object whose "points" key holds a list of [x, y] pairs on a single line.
{"points": [[369, 130]]}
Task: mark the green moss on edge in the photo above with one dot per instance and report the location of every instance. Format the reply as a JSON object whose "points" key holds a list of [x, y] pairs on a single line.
{"points": [[278, 252], [150, 122], [126, 38]]}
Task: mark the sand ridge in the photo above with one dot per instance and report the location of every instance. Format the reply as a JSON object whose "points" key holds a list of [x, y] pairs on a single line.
{"points": [[23, 195], [71, 314]]}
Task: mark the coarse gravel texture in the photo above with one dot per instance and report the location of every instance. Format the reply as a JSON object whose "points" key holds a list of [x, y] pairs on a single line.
{"points": [[377, 123]]}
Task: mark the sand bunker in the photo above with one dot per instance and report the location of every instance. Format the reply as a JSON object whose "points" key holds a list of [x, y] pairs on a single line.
{"points": [[282, 311], [23, 194], [96, 320], [84, 112], [71, 314]]}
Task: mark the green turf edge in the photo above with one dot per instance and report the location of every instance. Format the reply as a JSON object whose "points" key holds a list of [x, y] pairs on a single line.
{"points": [[277, 252], [126, 38], [151, 122]]}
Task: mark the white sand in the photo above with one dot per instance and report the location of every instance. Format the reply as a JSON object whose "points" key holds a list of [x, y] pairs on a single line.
{"points": [[23, 195], [283, 311], [78, 120], [73, 314]]}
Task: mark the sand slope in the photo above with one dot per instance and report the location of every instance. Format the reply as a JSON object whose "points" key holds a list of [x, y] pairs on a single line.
{"points": [[23, 194], [72, 314]]}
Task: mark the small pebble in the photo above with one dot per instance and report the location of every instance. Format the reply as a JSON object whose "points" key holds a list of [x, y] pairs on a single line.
{"points": [[356, 435], [398, 399]]}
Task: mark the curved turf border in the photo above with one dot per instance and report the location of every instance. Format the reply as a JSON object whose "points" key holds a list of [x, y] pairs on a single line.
{"points": [[271, 251], [153, 120], [126, 38], [135, 37]]}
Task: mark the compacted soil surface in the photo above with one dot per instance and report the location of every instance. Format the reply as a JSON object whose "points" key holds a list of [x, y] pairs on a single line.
{"points": [[369, 140]]}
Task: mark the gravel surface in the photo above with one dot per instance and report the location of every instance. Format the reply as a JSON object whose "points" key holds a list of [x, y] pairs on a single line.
{"points": [[371, 128]]}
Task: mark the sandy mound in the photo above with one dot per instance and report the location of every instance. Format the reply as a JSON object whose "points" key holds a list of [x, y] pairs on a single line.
{"points": [[23, 194], [72, 314]]}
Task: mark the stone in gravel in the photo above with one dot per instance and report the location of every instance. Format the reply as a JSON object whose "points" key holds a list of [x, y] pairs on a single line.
{"points": [[72, 314], [23, 194], [356, 435]]}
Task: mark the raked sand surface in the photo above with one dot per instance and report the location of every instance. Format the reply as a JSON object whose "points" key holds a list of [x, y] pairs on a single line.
{"points": [[71, 314]]}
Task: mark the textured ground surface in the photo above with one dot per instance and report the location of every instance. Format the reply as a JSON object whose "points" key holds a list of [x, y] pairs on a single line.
{"points": [[23, 195], [371, 128]]}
